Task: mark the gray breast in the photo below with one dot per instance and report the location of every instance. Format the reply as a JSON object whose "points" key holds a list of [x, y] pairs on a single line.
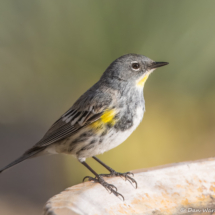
{"points": [[129, 105]]}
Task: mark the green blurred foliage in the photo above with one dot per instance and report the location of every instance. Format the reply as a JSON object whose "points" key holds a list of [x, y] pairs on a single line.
{"points": [[52, 51]]}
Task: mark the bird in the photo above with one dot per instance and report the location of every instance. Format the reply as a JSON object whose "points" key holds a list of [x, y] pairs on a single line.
{"points": [[101, 119]]}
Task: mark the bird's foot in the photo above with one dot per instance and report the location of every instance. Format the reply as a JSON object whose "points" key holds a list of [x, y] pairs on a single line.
{"points": [[109, 187], [125, 175]]}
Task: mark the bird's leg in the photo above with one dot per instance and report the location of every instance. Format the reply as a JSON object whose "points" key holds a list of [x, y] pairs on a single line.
{"points": [[114, 173], [99, 179]]}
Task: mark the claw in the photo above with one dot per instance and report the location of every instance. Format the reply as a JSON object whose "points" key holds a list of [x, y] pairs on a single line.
{"points": [[130, 173], [122, 175], [86, 177], [118, 194], [109, 190], [131, 180], [128, 178], [113, 187], [109, 187], [122, 197]]}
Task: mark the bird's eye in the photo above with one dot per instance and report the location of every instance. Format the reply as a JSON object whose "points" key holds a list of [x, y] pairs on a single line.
{"points": [[135, 65]]}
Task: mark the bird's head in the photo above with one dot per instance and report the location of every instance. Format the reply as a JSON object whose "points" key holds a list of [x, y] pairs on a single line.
{"points": [[132, 68]]}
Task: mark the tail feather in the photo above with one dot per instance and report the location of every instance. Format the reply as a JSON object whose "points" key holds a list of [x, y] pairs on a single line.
{"points": [[28, 154]]}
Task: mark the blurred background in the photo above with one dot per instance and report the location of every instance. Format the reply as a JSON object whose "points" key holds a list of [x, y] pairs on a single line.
{"points": [[52, 51]]}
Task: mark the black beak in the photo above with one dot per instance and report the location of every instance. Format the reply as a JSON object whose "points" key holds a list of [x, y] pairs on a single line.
{"points": [[155, 65]]}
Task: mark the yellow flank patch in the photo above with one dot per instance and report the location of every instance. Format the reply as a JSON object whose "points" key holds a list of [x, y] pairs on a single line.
{"points": [[142, 81], [108, 115], [106, 118]]}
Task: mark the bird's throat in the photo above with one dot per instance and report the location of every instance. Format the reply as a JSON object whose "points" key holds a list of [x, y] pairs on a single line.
{"points": [[142, 80]]}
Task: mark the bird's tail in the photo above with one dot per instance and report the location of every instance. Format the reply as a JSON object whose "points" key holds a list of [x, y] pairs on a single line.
{"points": [[28, 154]]}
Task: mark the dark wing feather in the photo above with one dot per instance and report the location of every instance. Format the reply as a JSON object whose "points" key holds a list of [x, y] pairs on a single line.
{"points": [[68, 124], [86, 110]]}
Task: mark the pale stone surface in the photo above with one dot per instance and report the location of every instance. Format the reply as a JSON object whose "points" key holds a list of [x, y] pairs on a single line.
{"points": [[181, 188]]}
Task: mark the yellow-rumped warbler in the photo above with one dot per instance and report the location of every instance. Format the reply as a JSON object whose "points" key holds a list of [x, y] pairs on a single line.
{"points": [[102, 118]]}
